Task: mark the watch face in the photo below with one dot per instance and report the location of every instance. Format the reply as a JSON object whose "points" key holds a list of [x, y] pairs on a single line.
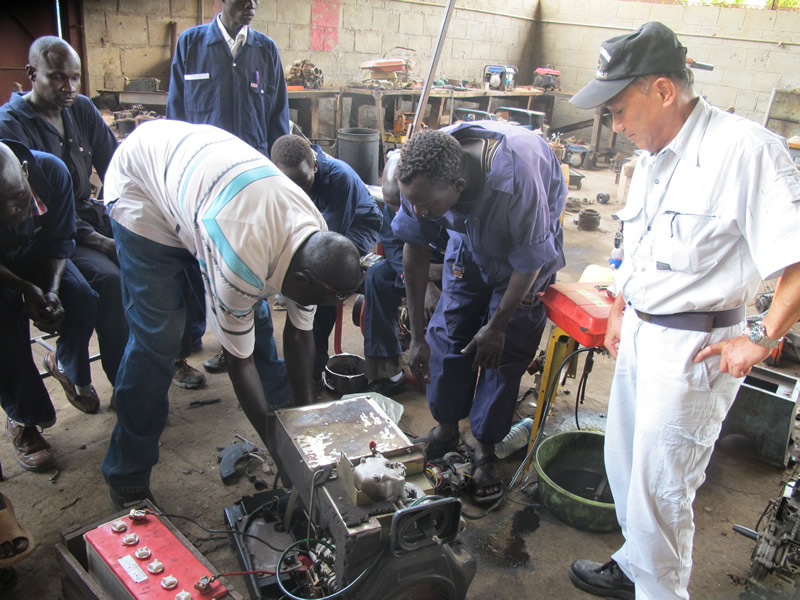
{"points": [[755, 332]]}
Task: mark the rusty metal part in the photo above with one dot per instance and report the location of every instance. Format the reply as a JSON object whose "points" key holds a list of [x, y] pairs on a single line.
{"points": [[305, 73]]}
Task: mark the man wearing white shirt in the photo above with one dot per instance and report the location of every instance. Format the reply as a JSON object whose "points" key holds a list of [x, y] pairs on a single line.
{"points": [[193, 194], [713, 208]]}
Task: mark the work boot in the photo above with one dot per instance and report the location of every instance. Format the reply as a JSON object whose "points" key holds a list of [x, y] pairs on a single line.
{"points": [[216, 364], [387, 387], [606, 580], [187, 377], [88, 403], [31, 449]]}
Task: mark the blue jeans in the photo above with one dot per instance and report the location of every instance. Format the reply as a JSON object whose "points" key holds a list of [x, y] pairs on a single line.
{"points": [[153, 284]]}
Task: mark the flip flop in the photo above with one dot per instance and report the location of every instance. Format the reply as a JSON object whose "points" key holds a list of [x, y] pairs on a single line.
{"points": [[12, 534], [435, 448], [490, 480]]}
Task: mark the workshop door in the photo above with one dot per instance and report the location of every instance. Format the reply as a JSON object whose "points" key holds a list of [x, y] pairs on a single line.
{"points": [[20, 24]]}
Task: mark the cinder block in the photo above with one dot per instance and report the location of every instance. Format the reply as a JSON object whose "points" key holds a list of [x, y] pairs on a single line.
{"points": [[188, 8], [475, 31], [701, 15], [144, 7], [354, 17], [431, 26], [268, 11], [783, 60], [457, 29], [728, 57], [398, 39], [708, 77], [300, 38], [105, 72], [759, 20], [720, 96], [385, 21], [184, 23], [787, 23], [500, 54], [296, 12], [158, 31], [279, 33], [756, 59], [368, 42], [741, 80], [411, 24], [480, 50], [137, 63], [423, 44], [669, 14], [95, 26], [636, 12], [764, 82], [746, 101], [732, 18], [100, 5], [127, 30]]}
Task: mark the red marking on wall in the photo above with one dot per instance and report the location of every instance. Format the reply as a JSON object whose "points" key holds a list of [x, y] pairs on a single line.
{"points": [[324, 24]]}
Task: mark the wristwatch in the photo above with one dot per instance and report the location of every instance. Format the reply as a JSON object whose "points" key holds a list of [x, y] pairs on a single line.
{"points": [[758, 335]]}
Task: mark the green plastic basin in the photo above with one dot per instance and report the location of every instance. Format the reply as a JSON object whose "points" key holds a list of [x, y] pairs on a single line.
{"points": [[572, 480]]}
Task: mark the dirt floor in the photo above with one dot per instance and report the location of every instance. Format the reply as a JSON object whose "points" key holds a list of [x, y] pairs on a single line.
{"points": [[522, 550]]}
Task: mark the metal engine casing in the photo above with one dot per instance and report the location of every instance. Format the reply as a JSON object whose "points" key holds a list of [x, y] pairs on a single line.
{"points": [[775, 562]]}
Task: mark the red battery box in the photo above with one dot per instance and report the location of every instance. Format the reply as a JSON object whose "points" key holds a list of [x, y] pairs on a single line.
{"points": [[580, 309], [121, 556]]}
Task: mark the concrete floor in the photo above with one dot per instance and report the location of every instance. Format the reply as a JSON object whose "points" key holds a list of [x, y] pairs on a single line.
{"points": [[521, 551]]}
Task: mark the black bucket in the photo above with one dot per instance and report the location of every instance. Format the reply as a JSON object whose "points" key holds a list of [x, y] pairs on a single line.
{"points": [[360, 148]]}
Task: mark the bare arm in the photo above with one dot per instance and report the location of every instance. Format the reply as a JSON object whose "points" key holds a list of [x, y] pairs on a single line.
{"points": [[298, 350], [249, 391], [614, 325], [739, 354], [416, 262]]}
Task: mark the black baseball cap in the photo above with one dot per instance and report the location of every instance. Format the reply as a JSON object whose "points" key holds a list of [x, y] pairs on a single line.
{"points": [[653, 48]]}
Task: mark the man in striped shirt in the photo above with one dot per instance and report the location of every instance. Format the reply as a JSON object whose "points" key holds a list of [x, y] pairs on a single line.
{"points": [[184, 193]]}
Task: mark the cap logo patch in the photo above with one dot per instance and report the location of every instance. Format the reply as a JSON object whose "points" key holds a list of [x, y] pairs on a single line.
{"points": [[604, 53]]}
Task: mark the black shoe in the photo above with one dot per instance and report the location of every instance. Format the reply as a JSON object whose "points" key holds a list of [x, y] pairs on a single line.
{"points": [[606, 580], [387, 387], [122, 499], [216, 364]]}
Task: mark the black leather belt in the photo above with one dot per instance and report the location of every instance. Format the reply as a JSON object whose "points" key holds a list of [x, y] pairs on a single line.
{"points": [[696, 321]]}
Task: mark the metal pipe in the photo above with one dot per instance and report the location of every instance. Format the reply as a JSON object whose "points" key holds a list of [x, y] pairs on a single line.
{"points": [[426, 89]]}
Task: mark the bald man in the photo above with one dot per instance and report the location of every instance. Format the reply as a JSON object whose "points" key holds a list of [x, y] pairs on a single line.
{"points": [[53, 117], [38, 283], [194, 194]]}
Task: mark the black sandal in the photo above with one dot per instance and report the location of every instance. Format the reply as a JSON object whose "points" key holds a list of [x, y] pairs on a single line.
{"points": [[435, 448], [491, 480]]}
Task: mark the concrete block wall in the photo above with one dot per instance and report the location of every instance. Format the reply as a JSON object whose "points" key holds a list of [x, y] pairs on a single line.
{"points": [[131, 39], [753, 51]]}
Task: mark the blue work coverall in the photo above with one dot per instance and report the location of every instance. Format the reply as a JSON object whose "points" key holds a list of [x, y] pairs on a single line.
{"points": [[48, 233], [348, 208], [512, 226], [87, 143], [244, 95]]}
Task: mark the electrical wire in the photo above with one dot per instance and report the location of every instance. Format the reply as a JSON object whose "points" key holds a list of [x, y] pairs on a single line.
{"points": [[338, 594], [222, 531]]}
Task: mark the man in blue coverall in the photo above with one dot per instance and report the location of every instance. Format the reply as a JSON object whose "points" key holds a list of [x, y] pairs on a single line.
{"points": [[345, 203], [38, 282], [229, 75], [384, 291], [499, 191], [53, 117]]}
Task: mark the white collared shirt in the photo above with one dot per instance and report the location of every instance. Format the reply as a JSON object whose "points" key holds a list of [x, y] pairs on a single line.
{"points": [[241, 37], [709, 216]]}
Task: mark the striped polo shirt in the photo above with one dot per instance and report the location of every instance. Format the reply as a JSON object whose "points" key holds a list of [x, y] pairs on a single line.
{"points": [[201, 188]]}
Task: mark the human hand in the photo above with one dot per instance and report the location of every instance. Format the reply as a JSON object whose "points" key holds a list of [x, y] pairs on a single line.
{"points": [[488, 347], [419, 354], [49, 316], [432, 295], [737, 355]]}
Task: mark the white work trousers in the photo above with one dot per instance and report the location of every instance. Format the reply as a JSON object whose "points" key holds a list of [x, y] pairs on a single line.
{"points": [[664, 416]]}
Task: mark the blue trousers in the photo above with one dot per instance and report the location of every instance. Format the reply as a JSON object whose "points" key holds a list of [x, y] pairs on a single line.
{"points": [[154, 295], [455, 391], [382, 298], [102, 274], [23, 396]]}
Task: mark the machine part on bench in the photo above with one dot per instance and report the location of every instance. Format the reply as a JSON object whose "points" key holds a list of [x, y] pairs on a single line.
{"points": [[588, 219], [775, 562], [380, 479]]}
